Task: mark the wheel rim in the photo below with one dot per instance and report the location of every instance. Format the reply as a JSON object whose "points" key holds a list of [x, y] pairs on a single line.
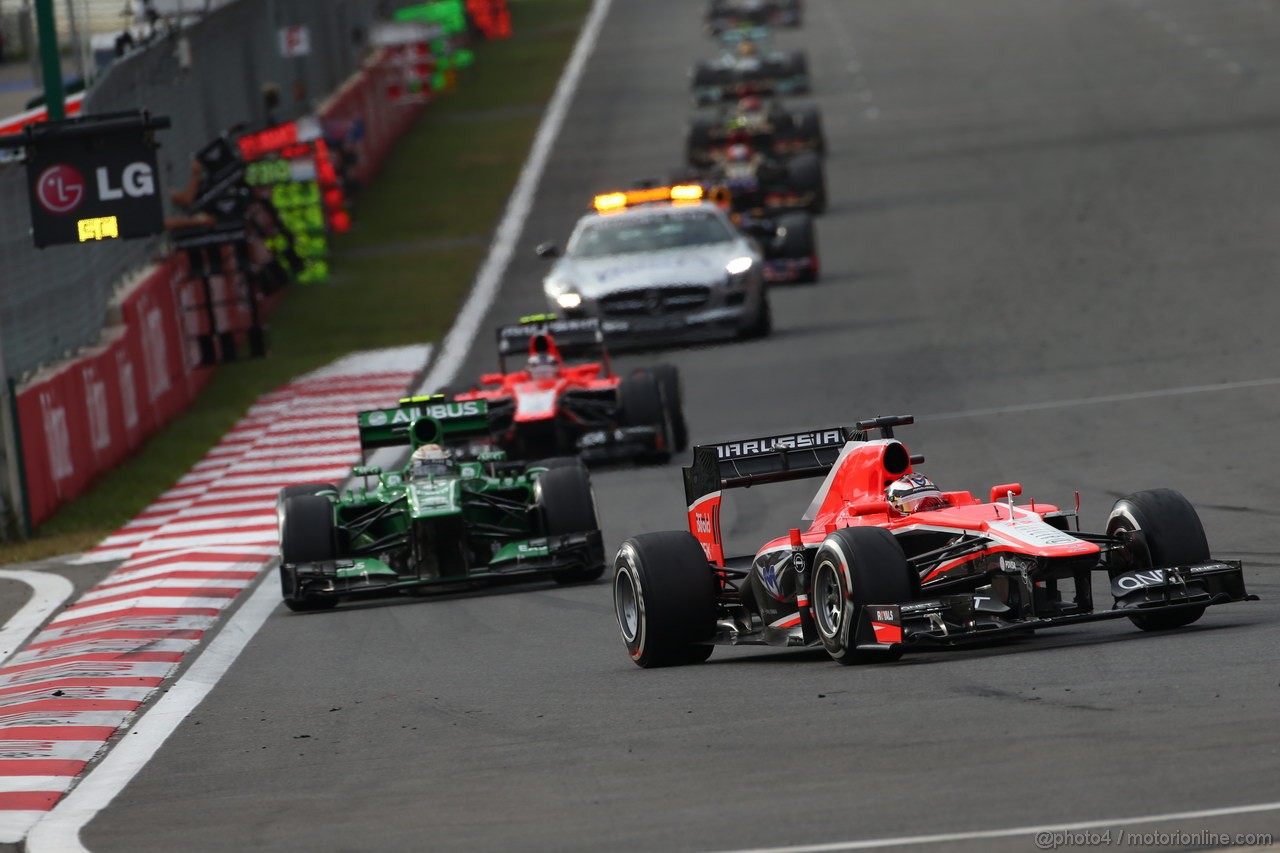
{"points": [[626, 603], [828, 600]]}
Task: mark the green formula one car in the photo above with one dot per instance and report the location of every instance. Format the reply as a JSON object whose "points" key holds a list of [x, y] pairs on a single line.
{"points": [[446, 518]]}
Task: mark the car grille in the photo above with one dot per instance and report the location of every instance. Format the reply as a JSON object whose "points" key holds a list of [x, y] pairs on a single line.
{"points": [[655, 301]]}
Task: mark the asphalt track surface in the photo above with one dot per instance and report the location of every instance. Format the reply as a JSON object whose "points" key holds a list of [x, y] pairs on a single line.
{"points": [[1034, 203]]}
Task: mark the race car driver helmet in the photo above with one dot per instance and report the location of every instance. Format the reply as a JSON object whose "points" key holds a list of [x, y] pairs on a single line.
{"points": [[750, 104], [543, 365], [430, 460], [914, 493], [746, 48], [738, 153]]}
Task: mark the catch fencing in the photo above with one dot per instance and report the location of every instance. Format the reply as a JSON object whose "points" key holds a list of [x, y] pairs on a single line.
{"points": [[208, 78], [98, 338]]}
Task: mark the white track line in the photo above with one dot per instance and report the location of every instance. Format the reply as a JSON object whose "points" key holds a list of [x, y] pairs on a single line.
{"points": [[48, 592], [1106, 398], [489, 279], [59, 831], [1012, 832]]}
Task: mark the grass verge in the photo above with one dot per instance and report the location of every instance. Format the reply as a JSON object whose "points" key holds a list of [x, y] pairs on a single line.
{"points": [[400, 276]]}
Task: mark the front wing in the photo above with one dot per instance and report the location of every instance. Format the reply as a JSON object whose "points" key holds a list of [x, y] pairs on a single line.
{"points": [[620, 443], [540, 556], [957, 619]]}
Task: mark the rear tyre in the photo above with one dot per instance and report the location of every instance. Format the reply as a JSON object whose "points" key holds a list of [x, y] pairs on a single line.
{"points": [[664, 599], [307, 535], [805, 175], [668, 377], [795, 238], [806, 125], [762, 325], [880, 574], [640, 404], [697, 142], [567, 505], [1167, 532]]}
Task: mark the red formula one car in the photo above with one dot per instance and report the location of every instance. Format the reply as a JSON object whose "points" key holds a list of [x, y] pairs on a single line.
{"points": [[889, 562], [566, 400]]}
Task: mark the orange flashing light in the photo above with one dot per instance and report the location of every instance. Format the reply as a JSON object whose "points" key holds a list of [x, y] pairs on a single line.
{"points": [[617, 201]]}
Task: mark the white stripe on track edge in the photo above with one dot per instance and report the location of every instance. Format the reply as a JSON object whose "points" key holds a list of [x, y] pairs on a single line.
{"points": [[59, 830], [48, 592], [489, 279], [1011, 832]]}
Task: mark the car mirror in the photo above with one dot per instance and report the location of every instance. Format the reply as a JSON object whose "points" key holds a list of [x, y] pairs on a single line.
{"points": [[1003, 490], [366, 470], [548, 250], [491, 378]]}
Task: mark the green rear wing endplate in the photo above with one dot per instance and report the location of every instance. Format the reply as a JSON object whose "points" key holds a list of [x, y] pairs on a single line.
{"points": [[423, 420]]}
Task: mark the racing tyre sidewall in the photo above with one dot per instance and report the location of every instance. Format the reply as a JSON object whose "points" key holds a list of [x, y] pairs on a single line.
{"points": [[1165, 531], [567, 504], [855, 567], [640, 403], [664, 599], [668, 376]]}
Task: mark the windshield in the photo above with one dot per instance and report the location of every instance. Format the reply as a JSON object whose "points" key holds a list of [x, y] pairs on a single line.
{"points": [[649, 234]]}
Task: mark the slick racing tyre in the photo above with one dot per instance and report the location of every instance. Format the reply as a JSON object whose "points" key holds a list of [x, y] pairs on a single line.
{"points": [[668, 377], [567, 505], [664, 598], [1167, 532], [805, 175], [698, 143], [307, 535], [762, 325], [640, 404], [873, 560], [300, 489], [806, 126], [794, 238]]}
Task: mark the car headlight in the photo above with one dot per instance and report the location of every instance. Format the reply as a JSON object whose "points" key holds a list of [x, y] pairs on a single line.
{"points": [[738, 266], [569, 299]]}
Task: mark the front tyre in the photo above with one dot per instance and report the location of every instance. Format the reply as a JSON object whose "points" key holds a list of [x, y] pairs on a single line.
{"points": [[568, 505], [856, 567], [664, 599], [1163, 529], [668, 377], [307, 535], [762, 325]]}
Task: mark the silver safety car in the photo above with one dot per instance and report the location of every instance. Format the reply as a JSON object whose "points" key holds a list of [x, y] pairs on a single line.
{"points": [[659, 265]]}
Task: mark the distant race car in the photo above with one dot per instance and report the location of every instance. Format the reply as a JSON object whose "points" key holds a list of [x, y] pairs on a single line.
{"points": [[759, 181], [747, 68], [772, 128], [889, 562], [565, 398], [441, 521], [788, 242], [660, 266], [725, 15]]}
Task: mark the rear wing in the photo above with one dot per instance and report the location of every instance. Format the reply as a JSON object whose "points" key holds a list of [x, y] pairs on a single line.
{"points": [[575, 337], [757, 461], [423, 420]]}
